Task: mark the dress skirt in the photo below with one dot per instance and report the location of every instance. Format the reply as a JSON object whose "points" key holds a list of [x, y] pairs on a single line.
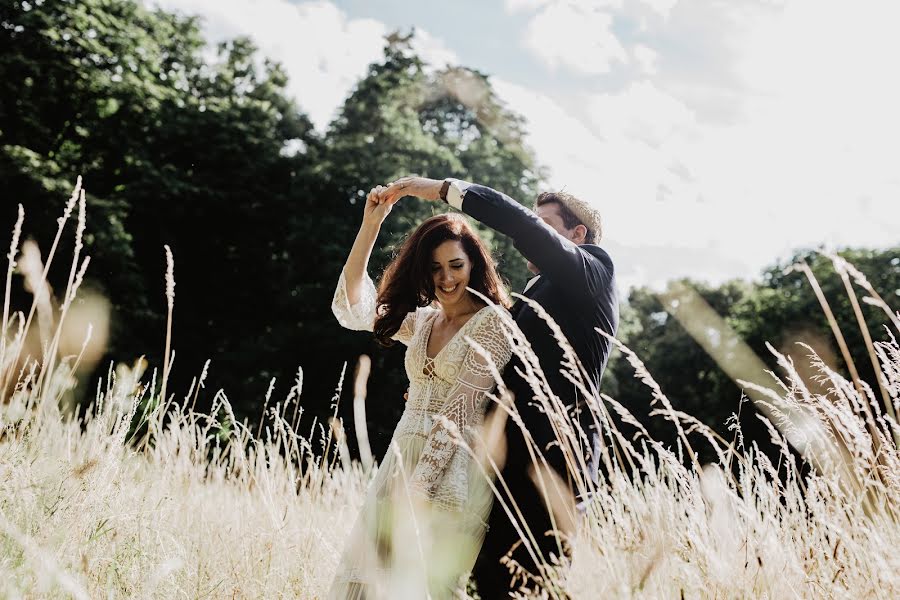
{"points": [[401, 545]]}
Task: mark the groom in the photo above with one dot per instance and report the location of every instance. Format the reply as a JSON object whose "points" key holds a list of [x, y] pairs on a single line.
{"points": [[575, 284]]}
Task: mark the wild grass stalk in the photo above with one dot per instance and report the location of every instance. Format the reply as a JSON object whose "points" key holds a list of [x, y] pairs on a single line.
{"points": [[40, 284], [13, 250], [170, 308]]}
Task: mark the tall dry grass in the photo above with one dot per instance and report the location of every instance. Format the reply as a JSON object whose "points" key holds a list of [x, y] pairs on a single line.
{"points": [[139, 495]]}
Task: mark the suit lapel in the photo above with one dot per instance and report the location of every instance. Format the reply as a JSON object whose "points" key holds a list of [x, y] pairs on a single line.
{"points": [[529, 292]]}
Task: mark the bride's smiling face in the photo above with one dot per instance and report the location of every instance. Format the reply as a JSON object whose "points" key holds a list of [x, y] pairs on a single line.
{"points": [[450, 271]]}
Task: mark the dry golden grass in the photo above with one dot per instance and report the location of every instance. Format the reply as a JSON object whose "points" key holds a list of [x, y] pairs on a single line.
{"points": [[140, 496]]}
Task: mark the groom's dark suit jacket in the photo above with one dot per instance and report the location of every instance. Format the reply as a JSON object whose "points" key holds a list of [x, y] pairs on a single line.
{"points": [[577, 288]]}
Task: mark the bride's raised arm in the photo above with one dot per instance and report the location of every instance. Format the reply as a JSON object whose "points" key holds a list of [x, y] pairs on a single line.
{"points": [[355, 273], [354, 298]]}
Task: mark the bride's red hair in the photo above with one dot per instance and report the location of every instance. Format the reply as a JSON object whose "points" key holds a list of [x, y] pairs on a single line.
{"points": [[407, 282]]}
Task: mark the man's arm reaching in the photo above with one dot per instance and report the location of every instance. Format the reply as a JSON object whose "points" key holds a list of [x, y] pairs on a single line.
{"points": [[557, 257]]}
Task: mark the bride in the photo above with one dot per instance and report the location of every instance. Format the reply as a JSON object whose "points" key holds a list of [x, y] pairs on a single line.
{"points": [[423, 519]]}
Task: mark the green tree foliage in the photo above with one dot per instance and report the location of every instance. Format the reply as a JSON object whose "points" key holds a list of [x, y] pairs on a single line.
{"points": [[785, 310], [781, 309], [174, 150]]}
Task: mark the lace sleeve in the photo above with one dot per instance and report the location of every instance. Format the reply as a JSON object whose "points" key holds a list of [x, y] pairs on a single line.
{"points": [[361, 316], [465, 402]]}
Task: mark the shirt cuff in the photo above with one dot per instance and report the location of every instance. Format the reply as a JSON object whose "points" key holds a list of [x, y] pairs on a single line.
{"points": [[457, 192]]}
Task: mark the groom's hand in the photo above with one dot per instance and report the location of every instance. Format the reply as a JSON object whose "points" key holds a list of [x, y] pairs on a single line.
{"points": [[420, 187]]}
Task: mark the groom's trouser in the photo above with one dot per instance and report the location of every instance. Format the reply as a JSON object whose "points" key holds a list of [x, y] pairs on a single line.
{"points": [[492, 577]]}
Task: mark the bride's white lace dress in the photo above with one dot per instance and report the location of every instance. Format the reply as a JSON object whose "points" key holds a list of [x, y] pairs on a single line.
{"points": [[392, 550]]}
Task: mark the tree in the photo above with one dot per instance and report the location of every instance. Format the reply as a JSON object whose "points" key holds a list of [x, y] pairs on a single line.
{"points": [[781, 309], [688, 376], [173, 150], [784, 311]]}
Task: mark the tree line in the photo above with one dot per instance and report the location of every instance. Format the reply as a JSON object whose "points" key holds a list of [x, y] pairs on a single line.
{"points": [[212, 157]]}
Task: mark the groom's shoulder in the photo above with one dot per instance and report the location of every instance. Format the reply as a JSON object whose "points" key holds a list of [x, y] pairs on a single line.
{"points": [[600, 254]]}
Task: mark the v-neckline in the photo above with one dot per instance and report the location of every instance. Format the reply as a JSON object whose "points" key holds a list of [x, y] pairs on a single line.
{"points": [[450, 341]]}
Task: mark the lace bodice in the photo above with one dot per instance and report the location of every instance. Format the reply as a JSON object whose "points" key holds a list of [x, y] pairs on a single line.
{"points": [[447, 392]]}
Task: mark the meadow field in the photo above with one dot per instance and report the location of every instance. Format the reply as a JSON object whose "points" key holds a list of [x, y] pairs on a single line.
{"points": [[137, 494]]}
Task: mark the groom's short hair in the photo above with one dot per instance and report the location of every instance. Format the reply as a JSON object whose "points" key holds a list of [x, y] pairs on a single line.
{"points": [[563, 201]]}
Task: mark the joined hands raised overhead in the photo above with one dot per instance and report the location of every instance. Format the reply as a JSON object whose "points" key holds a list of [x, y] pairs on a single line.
{"points": [[376, 210], [420, 187]]}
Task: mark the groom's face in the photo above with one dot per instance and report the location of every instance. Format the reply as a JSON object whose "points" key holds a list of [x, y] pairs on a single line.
{"points": [[549, 214]]}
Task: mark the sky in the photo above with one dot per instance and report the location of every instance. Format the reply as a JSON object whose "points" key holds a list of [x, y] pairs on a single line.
{"points": [[716, 136]]}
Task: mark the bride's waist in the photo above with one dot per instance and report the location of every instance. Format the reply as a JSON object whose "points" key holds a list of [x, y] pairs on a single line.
{"points": [[428, 397], [420, 419], [424, 405]]}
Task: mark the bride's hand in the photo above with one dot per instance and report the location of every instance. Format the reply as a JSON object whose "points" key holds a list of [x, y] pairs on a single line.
{"points": [[375, 210]]}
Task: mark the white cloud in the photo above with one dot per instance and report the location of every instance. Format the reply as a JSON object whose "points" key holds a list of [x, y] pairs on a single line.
{"points": [[434, 51], [816, 147], [627, 178], [633, 184], [663, 7], [324, 52], [576, 36], [641, 111], [646, 58], [522, 5]]}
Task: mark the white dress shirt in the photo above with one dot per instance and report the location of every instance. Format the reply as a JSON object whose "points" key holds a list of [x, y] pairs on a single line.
{"points": [[456, 192]]}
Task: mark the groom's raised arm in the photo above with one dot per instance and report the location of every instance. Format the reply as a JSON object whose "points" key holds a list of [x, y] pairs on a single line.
{"points": [[555, 256]]}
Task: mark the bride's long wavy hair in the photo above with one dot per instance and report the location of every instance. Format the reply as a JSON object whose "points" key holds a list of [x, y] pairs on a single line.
{"points": [[408, 284]]}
